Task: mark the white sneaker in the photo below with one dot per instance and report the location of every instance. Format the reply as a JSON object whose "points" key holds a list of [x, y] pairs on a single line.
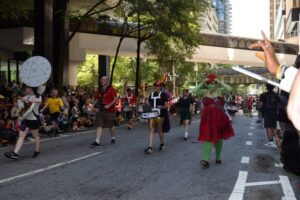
{"points": [[271, 144]]}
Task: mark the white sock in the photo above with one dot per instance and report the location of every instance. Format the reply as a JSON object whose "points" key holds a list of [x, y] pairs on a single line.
{"points": [[186, 134], [114, 138], [98, 141]]}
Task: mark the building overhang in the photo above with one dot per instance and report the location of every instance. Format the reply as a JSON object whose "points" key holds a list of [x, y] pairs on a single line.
{"points": [[215, 48]]}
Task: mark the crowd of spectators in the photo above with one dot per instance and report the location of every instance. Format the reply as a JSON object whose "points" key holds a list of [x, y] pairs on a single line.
{"points": [[78, 111]]}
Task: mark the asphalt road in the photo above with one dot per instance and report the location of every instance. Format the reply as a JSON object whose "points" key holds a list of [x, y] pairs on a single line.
{"points": [[69, 169]]}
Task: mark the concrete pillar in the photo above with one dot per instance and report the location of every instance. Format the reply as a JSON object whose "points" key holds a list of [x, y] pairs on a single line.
{"points": [[43, 28], [60, 48], [72, 72]]}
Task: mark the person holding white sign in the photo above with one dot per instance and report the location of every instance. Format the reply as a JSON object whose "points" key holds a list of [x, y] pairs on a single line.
{"points": [[30, 121]]}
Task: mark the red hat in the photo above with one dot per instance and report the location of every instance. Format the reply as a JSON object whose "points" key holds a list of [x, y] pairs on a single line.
{"points": [[158, 83]]}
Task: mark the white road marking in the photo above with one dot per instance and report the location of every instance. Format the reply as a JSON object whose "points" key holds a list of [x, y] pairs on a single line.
{"points": [[241, 183], [287, 188], [250, 134], [251, 128], [245, 160], [239, 188], [48, 168], [249, 143]]}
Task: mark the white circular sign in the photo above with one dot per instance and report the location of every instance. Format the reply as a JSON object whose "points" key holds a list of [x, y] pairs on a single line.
{"points": [[35, 71]]}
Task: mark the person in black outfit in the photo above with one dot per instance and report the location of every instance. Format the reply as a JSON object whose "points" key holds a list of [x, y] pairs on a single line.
{"points": [[158, 101], [270, 103]]}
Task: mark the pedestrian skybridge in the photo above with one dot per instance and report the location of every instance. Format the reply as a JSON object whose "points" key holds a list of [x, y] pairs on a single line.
{"points": [[215, 48], [232, 77], [93, 38]]}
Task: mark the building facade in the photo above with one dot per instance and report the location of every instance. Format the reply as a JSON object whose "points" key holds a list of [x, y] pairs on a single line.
{"points": [[209, 21], [223, 10], [284, 20]]}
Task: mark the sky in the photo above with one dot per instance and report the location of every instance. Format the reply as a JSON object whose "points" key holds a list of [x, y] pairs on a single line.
{"points": [[249, 17]]}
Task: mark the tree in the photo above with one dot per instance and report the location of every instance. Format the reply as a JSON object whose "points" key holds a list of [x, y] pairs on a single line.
{"points": [[87, 72], [170, 29], [13, 9]]}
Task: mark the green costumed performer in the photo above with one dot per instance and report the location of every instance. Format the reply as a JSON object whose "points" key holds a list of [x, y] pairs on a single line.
{"points": [[215, 125]]}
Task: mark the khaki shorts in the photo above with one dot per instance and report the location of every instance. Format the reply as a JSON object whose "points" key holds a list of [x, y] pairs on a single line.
{"points": [[156, 122], [105, 119]]}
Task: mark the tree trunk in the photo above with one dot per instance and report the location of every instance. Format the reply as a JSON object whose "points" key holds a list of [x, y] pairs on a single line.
{"points": [[115, 59], [137, 73]]}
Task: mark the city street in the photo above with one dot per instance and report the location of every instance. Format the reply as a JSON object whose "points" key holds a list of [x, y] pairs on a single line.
{"points": [[68, 168]]}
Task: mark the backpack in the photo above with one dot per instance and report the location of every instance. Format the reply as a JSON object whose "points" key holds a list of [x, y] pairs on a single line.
{"points": [[271, 102]]}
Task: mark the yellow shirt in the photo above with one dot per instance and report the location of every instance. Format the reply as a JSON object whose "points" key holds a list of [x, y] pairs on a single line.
{"points": [[54, 104]]}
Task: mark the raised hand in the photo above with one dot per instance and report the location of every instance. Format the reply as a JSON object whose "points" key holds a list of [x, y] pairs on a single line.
{"points": [[268, 56]]}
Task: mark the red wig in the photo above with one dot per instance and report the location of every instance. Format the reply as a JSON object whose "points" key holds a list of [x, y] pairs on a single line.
{"points": [[211, 78]]}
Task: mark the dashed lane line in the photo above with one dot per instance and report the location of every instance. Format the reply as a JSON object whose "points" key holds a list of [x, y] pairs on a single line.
{"points": [[245, 160]]}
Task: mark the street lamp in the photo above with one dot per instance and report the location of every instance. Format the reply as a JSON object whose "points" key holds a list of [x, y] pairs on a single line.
{"points": [[196, 70], [173, 77]]}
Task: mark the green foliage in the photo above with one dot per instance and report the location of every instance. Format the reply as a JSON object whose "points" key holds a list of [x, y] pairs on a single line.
{"points": [[88, 72], [177, 29], [125, 72], [169, 28], [241, 89], [13, 9]]}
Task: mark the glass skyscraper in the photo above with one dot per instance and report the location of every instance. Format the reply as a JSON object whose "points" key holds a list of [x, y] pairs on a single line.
{"points": [[224, 13]]}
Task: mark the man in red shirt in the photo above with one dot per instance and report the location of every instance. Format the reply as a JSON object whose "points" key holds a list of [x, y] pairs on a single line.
{"points": [[129, 103], [106, 99]]}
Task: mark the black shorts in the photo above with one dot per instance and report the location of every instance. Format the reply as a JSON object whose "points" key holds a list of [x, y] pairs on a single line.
{"points": [[31, 124], [270, 121], [54, 116], [129, 114]]}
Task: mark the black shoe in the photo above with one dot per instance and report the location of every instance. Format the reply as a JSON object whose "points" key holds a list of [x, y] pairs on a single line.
{"points": [[148, 150], [204, 164], [185, 138], [161, 147], [218, 161], [113, 141], [56, 134], [95, 144], [35, 154], [12, 155]]}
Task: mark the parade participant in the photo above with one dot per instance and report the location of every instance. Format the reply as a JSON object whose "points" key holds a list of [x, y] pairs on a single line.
{"points": [[129, 103], [105, 117], [291, 74], [30, 121], [215, 125], [165, 111], [249, 102], [55, 106], [158, 101], [270, 102], [186, 106]]}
